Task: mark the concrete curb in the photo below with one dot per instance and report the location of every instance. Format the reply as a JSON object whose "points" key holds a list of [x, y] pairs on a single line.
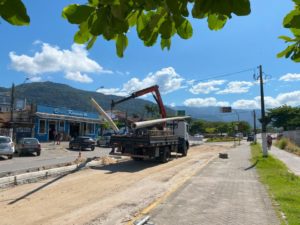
{"points": [[44, 174]]}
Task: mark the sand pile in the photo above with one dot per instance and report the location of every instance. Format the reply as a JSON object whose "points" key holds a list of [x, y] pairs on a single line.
{"points": [[106, 160]]}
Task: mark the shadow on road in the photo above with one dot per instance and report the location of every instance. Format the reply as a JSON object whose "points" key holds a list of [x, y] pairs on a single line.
{"points": [[79, 167], [130, 166]]}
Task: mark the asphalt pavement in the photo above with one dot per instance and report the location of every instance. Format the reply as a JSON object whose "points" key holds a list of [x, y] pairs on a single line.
{"points": [[226, 192], [52, 156]]}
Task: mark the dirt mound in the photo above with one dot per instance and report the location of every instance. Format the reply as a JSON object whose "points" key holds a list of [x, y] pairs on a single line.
{"points": [[106, 160]]}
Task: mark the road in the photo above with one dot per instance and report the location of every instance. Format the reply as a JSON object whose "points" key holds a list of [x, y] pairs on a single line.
{"points": [[51, 155], [111, 194]]}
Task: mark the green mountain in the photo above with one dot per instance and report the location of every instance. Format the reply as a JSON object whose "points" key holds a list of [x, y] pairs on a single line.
{"points": [[61, 95]]}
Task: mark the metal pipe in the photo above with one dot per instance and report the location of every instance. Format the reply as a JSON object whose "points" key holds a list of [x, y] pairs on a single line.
{"points": [[149, 123], [105, 115]]}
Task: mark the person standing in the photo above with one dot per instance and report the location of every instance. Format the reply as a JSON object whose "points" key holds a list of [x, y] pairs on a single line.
{"points": [[269, 141], [58, 136]]}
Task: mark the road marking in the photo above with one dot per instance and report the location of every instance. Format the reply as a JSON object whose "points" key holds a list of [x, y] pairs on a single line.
{"points": [[159, 200]]}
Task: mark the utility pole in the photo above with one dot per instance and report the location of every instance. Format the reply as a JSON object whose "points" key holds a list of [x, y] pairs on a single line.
{"points": [[263, 116], [238, 126], [12, 103], [254, 125]]}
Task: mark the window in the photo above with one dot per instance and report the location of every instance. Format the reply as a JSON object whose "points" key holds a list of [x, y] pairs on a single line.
{"points": [[61, 126], [42, 127], [90, 128]]}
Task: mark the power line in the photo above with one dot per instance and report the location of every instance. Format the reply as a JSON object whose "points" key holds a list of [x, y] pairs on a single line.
{"points": [[213, 76]]}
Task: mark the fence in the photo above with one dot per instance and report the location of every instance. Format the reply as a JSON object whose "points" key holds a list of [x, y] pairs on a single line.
{"points": [[293, 135]]}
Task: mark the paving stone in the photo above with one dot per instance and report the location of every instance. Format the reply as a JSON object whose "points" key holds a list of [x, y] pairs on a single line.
{"points": [[223, 193]]}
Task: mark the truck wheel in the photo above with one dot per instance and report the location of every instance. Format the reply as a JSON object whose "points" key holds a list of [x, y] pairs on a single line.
{"points": [[10, 156], [184, 150], [38, 153], [165, 155]]}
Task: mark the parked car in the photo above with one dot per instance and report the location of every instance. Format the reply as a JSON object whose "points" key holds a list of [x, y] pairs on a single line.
{"points": [[7, 147], [250, 137], [29, 145], [82, 142], [104, 140]]}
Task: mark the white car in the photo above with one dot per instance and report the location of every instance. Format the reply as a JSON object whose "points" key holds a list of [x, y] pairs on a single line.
{"points": [[7, 147]]}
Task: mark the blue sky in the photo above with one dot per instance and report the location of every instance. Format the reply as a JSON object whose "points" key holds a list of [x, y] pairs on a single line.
{"points": [[188, 74]]}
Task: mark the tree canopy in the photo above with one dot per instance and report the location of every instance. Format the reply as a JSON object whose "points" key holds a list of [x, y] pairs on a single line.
{"points": [[153, 19], [285, 117]]}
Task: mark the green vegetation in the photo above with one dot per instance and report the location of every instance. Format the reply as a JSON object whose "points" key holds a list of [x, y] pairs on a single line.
{"points": [[219, 128], [153, 19], [282, 185], [288, 145], [221, 139], [284, 116]]}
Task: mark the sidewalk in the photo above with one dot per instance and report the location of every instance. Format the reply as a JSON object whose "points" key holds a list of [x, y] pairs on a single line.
{"points": [[222, 193], [290, 160]]}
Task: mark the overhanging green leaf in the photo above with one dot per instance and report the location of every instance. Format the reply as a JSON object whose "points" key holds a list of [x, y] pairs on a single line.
{"points": [[165, 43], [121, 44], [185, 30], [77, 14], [14, 12], [216, 22]]}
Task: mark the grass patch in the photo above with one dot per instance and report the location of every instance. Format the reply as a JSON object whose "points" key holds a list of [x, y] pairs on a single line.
{"points": [[287, 145], [283, 186], [221, 139]]}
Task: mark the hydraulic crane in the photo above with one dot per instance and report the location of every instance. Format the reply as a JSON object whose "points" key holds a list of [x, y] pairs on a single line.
{"points": [[156, 95]]}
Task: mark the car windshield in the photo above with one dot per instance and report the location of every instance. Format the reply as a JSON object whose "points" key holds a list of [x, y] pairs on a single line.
{"points": [[4, 140], [30, 141]]}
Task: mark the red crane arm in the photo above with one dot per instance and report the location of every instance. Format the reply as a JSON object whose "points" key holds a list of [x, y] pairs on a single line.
{"points": [[155, 92]]}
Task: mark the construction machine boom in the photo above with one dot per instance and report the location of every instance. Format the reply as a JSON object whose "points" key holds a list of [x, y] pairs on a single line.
{"points": [[156, 95]]}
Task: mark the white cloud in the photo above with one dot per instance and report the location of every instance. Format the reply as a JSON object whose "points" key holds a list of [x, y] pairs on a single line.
{"points": [[167, 79], [77, 76], [236, 87], [290, 98], [52, 59], [206, 87], [202, 102], [270, 102], [290, 77], [245, 104], [112, 91], [173, 104], [35, 79]]}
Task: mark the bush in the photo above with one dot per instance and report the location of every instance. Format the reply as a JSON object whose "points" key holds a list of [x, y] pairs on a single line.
{"points": [[282, 143]]}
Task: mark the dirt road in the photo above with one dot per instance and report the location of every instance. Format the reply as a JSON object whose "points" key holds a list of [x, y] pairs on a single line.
{"points": [[111, 194]]}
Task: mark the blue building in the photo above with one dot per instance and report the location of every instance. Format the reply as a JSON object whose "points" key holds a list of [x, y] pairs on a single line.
{"points": [[69, 123]]}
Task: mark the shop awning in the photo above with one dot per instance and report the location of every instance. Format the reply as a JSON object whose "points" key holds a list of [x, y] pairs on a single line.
{"points": [[66, 117]]}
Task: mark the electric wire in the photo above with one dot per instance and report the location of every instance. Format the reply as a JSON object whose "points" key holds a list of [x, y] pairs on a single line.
{"points": [[213, 76]]}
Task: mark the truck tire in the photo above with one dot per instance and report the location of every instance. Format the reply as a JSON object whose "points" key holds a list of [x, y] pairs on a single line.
{"points": [[165, 155], [184, 150]]}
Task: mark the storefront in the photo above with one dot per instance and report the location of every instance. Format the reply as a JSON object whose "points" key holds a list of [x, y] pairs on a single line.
{"points": [[69, 123]]}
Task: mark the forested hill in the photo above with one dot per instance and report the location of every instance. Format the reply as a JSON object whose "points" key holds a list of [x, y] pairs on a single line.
{"points": [[61, 95]]}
